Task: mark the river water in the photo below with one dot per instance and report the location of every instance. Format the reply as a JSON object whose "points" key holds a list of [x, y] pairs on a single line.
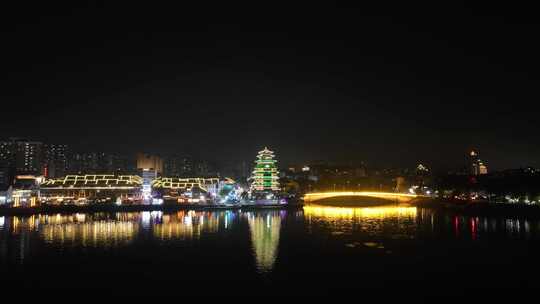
{"points": [[314, 250]]}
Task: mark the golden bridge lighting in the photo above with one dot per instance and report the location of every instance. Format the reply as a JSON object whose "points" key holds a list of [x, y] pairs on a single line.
{"points": [[400, 197]]}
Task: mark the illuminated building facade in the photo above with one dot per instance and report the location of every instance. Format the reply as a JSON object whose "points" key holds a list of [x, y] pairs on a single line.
{"points": [[148, 177], [26, 191], [476, 165], [187, 190], [149, 167], [85, 189], [265, 176]]}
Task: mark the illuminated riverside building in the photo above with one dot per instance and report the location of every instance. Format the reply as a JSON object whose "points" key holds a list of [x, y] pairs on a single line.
{"points": [[84, 189], [187, 190], [149, 167], [26, 191]]}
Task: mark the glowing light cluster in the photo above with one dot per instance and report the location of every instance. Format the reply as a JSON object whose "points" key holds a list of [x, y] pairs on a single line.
{"points": [[265, 176], [184, 183], [265, 234], [94, 182], [310, 197], [349, 213]]}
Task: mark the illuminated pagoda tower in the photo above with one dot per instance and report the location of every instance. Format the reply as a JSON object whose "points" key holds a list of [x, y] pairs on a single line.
{"points": [[265, 175]]}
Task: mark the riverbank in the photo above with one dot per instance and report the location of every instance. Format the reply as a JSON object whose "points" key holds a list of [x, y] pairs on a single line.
{"points": [[134, 208], [480, 208]]}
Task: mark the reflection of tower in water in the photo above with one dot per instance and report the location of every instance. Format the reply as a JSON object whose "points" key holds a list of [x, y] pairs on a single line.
{"points": [[265, 230]]}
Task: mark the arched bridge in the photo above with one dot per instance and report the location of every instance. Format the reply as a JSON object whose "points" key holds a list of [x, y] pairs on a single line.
{"points": [[393, 197]]}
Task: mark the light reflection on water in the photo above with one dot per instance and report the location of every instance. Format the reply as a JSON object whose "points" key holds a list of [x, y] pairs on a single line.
{"points": [[394, 222], [436, 225], [189, 225], [24, 237], [265, 232]]}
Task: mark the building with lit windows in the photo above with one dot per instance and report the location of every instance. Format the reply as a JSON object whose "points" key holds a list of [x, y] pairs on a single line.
{"points": [[55, 160], [476, 165], [265, 176], [92, 189], [22, 156], [29, 157]]}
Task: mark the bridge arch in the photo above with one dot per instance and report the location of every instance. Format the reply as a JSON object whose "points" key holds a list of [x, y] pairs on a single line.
{"points": [[389, 196]]}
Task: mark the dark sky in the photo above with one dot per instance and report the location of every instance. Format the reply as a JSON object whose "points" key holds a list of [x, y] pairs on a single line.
{"points": [[390, 86]]}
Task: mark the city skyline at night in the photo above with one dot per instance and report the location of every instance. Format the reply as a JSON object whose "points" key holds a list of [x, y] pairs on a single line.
{"points": [[386, 89], [270, 149]]}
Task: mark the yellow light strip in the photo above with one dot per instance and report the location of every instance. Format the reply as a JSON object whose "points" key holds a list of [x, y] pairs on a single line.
{"points": [[367, 212]]}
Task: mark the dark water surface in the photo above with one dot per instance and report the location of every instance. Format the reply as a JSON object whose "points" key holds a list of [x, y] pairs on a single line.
{"points": [[314, 250]]}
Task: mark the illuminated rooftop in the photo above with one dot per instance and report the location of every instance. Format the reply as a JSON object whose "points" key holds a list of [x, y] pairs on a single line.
{"points": [[93, 181], [184, 183]]}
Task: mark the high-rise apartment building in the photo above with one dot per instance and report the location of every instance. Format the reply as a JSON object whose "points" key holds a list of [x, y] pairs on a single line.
{"points": [[55, 164]]}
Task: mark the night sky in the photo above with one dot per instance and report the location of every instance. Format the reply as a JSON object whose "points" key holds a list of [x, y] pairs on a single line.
{"points": [[415, 85]]}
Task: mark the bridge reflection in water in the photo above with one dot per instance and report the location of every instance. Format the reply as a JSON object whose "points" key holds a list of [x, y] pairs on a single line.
{"points": [[391, 221]]}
